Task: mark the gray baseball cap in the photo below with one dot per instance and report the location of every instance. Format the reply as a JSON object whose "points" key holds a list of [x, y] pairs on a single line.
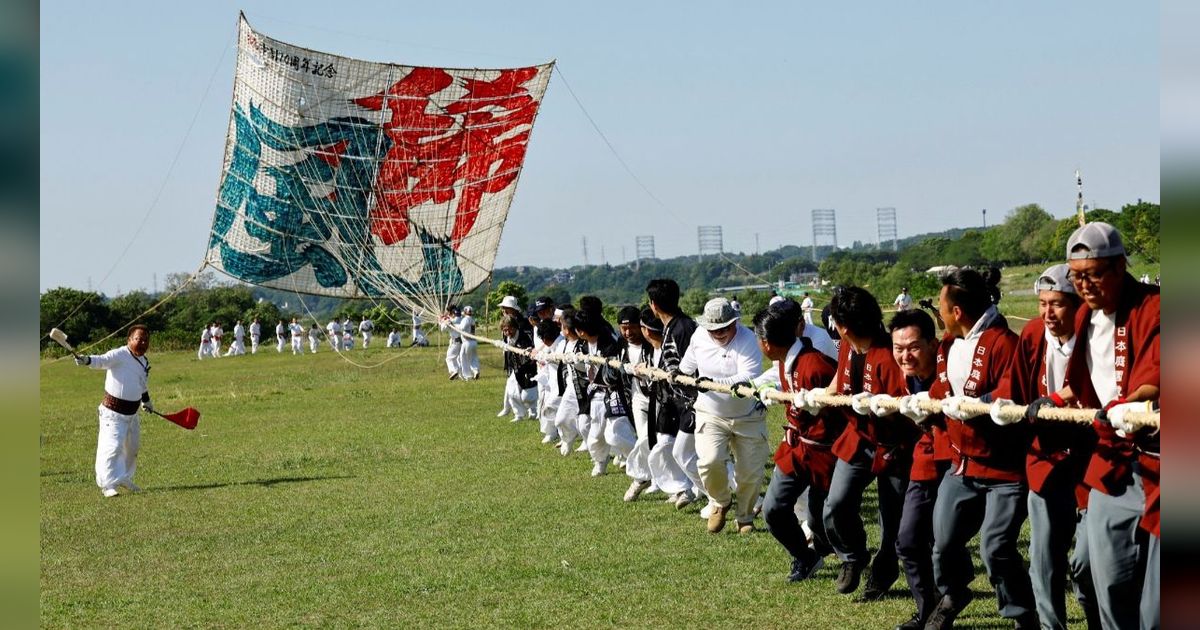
{"points": [[718, 313], [1054, 279], [1095, 240]]}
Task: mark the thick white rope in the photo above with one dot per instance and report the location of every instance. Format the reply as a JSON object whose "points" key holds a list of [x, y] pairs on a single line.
{"points": [[1140, 419]]}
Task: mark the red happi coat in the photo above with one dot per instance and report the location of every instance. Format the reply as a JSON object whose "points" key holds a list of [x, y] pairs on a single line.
{"points": [[1136, 355], [1059, 450], [979, 447], [806, 449], [892, 436], [931, 448]]}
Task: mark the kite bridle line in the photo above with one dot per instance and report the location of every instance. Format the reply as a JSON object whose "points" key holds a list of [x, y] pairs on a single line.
{"points": [[1012, 412]]}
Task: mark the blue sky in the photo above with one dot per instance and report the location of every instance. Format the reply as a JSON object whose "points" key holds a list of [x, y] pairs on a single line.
{"points": [[746, 118]]}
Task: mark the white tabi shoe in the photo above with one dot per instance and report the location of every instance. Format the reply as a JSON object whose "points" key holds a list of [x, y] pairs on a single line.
{"points": [[600, 468]]}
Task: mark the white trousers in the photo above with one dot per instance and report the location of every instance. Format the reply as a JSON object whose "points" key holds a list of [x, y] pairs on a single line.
{"points": [[597, 446], [254, 344], [745, 439], [117, 448], [547, 410], [684, 452], [618, 433], [564, 416], [522, 402], [366, 338], [204, 351], [664, 470], [335, 342], [297, 345], [638, 464], [236, 348], [453, 352], [313, 342], [468, 358], [282, 342], [216, 348]]}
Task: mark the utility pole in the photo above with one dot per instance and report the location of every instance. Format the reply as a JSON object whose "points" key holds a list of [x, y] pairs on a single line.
{"points": [[985, 218], [585, 260]]}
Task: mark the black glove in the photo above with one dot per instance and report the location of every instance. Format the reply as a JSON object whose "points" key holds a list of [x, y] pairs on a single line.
{"points": [[1031, 411], [83, 360], [733, 391]]}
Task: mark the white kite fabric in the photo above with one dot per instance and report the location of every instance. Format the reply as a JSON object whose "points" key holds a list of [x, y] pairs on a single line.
{"points": [[357, 179]]}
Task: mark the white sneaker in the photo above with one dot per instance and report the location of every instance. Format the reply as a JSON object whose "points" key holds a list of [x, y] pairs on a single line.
{"points": [[684, 499], [110, 492], [635, 490], [564, 449], [600, 468], [707, 510]]}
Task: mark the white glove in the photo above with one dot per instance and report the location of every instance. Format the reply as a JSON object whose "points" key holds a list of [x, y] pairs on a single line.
{"points": [[806, 400], [999, 419], [910, 406], [148, 406], [1116, 416], [763, 397], [861, 403], [952, 407], [877, 405], [630, 369]]}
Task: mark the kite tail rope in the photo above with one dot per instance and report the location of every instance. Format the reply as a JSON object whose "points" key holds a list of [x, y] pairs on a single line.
{"points": [[1140, 419]]}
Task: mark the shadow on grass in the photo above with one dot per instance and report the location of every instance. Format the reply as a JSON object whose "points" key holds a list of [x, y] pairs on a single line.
{"points": [[266, 483]]}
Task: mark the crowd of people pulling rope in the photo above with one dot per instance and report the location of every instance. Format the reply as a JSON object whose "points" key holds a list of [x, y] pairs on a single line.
{"points": [[973, 432], [970, 433]]}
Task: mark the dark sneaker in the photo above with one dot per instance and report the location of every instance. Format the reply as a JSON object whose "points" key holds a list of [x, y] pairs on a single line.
{"points": [[848, 577], [916, 623], [1028, 622], [801, 571], [877, 588], [947, 611]]}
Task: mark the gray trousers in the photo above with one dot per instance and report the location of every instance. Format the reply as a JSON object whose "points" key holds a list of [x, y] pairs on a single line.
{"points": [[994, 509], [780, 514], [843, 514], [1053, 521], [1125, 562]]}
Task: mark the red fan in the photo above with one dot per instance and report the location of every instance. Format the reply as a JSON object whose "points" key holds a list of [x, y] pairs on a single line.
{"points": [[186, 418]]}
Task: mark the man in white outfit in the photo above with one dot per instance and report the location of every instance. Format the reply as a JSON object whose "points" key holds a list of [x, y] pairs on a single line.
{"points": [[449, 322], [125, 389], [280, 336], [205, 344], [903, 302], [468, 356], [297, 331], [726, 353], [314, 337], [217, 333], [334, 331], [365, 327], [807, 306], [239, 344], [255, 335]]}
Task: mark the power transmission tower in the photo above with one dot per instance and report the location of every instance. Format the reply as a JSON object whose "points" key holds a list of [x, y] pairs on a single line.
{"points": [[710, 240], [824, 223], [643, 248], [886, 220]]}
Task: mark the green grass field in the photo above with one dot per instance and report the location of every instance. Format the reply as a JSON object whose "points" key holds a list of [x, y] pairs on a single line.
{"points": [[317, 493]]}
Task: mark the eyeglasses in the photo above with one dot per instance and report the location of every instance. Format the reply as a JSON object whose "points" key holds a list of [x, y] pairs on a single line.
{"points": [[1088, 277]]}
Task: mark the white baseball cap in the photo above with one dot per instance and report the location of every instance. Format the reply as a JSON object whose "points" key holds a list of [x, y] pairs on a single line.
{"points": [[1095, 240]]}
